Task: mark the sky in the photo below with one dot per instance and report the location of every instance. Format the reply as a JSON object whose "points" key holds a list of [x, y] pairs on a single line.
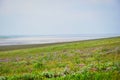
{"points": [[46, 17]]}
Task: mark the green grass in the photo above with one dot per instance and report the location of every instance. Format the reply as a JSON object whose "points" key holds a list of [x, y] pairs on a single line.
{"points": [[84, 60]]}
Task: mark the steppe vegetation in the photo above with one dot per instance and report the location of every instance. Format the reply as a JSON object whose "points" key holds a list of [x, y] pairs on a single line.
{"points": [[83, 60]]}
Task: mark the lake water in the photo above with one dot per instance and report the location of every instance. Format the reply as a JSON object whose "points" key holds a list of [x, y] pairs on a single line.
{"points": [[20, 40]]}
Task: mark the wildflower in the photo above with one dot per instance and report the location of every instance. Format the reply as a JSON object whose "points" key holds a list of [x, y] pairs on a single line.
{"points": [[81, 65]]}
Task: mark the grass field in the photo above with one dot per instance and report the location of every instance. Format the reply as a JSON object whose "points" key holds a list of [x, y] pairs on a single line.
{"points": [[84, 60]]}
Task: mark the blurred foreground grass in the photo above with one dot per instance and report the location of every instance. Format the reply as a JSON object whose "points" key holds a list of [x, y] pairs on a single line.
{"points": [[84, 60]]}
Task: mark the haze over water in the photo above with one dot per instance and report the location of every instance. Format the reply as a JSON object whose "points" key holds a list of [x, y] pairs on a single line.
{"points": [[20, 40]]}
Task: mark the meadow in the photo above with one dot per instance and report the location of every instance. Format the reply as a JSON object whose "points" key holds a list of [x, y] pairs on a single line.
{"points": [[83, 60]]}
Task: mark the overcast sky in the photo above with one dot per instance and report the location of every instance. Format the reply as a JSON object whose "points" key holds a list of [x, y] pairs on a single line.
{"points": [[46, 17]]}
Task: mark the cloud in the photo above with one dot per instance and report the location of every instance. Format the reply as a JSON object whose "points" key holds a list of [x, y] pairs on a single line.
{"points": [[98, 1], [58, 11], [46, 6]]}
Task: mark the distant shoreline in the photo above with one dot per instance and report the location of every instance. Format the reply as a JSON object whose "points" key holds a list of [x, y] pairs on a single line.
{"points": [[25, 46]]}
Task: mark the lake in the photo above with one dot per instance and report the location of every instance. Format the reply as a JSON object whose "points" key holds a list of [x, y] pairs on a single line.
{"points": [[42, 39]]}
